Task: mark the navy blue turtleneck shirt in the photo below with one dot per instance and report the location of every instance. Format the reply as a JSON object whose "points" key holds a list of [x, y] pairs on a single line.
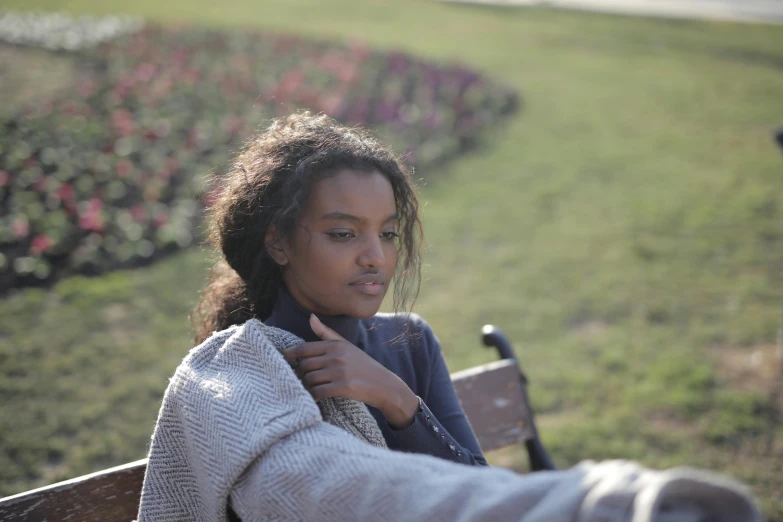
{"points": [[440, 427]]}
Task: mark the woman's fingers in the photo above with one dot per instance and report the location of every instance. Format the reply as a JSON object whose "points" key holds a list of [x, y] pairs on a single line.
{"points": [[323, 331], [305, 350], [313, 363], [316, 378], [322, 391], [326, 382]]}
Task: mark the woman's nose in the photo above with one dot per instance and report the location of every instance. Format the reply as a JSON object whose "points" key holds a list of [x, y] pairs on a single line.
{"points": [[372, 254]]}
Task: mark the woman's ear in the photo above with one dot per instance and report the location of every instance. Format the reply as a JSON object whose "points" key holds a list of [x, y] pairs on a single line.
{"points": [[274, 247]]}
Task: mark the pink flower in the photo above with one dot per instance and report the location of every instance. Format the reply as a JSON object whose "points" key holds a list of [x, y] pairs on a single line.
{"points": [[180, 55], [145, 72], [91, 217], [66, 193], [431, 120], [124, 168], [20, 227], [171, 163], [40, 243], [122, 121], [87, 88], [40, 184], [169, 168], [291, 82], [5, 178], [160, 219], [360, 50], [340, 66], [331, 103], [138, 212], [70, 108]]}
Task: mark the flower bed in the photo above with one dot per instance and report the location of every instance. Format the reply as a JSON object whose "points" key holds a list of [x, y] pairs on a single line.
{"points": [[111, 175]]}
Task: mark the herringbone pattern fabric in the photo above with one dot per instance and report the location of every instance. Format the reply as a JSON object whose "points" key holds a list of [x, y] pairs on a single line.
{"points": [[228, 401], [236, 423], [348, 414]]}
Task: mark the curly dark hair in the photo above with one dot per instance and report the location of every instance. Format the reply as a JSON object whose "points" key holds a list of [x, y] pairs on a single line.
{"points": [[267, 185]]}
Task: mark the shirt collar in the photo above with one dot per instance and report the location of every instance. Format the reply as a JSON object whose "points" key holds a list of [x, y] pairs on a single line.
{"points": [[287, 314]]}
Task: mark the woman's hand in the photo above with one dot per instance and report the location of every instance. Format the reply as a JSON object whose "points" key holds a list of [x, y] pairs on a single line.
{"points": [[333, 367]]}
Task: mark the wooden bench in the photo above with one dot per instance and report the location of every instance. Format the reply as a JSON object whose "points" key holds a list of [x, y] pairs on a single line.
{"points": [[494, 397]]}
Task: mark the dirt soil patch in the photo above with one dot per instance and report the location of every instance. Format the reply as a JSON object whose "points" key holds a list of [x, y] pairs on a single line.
{"points": [[757, 368]]}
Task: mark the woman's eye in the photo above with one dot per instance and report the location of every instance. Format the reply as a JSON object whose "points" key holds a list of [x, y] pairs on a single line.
{"points": [[391, 236], [340, 236]]}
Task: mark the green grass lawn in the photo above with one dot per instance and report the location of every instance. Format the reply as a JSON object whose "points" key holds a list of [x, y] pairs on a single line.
{"points": [[624, 230]]}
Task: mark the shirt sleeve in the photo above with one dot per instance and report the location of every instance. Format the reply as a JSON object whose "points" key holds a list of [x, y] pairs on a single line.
{"points": [[440, 426]]}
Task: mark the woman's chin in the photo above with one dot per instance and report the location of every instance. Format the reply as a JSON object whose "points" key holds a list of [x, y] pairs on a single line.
{"points": [[368, 308], [359, 305], [363, 312]]}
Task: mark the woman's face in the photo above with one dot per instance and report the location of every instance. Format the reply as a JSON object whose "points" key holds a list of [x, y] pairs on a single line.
{"points": [[343, 253]]}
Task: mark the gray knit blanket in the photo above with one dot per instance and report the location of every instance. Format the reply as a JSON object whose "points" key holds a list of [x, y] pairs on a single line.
{"points": [[236, 427], [348, 414]]}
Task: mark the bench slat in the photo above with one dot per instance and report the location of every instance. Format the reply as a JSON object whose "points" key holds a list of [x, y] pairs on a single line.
{"points": [[108, 495], [491, 395]]}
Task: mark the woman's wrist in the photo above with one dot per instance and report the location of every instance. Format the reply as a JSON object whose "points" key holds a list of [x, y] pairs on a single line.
{"points": [[401, 408]]}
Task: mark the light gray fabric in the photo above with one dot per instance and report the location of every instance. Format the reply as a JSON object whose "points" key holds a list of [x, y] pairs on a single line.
{"points": [[348, 414], [237, 426]]}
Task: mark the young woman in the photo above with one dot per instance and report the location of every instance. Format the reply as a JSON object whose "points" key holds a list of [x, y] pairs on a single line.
{"points": [[316, 221]]}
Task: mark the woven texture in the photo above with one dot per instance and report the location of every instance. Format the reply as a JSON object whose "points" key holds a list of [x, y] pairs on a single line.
{"points": [[221, 409], [348, 414], [236, 426]]}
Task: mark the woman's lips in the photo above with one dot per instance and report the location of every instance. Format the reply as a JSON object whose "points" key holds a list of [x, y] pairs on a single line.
{"points": [[369, 288]]}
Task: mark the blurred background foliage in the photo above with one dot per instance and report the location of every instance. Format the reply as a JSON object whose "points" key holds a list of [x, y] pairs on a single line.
{"points": [[111, 172], [623, 228]]}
